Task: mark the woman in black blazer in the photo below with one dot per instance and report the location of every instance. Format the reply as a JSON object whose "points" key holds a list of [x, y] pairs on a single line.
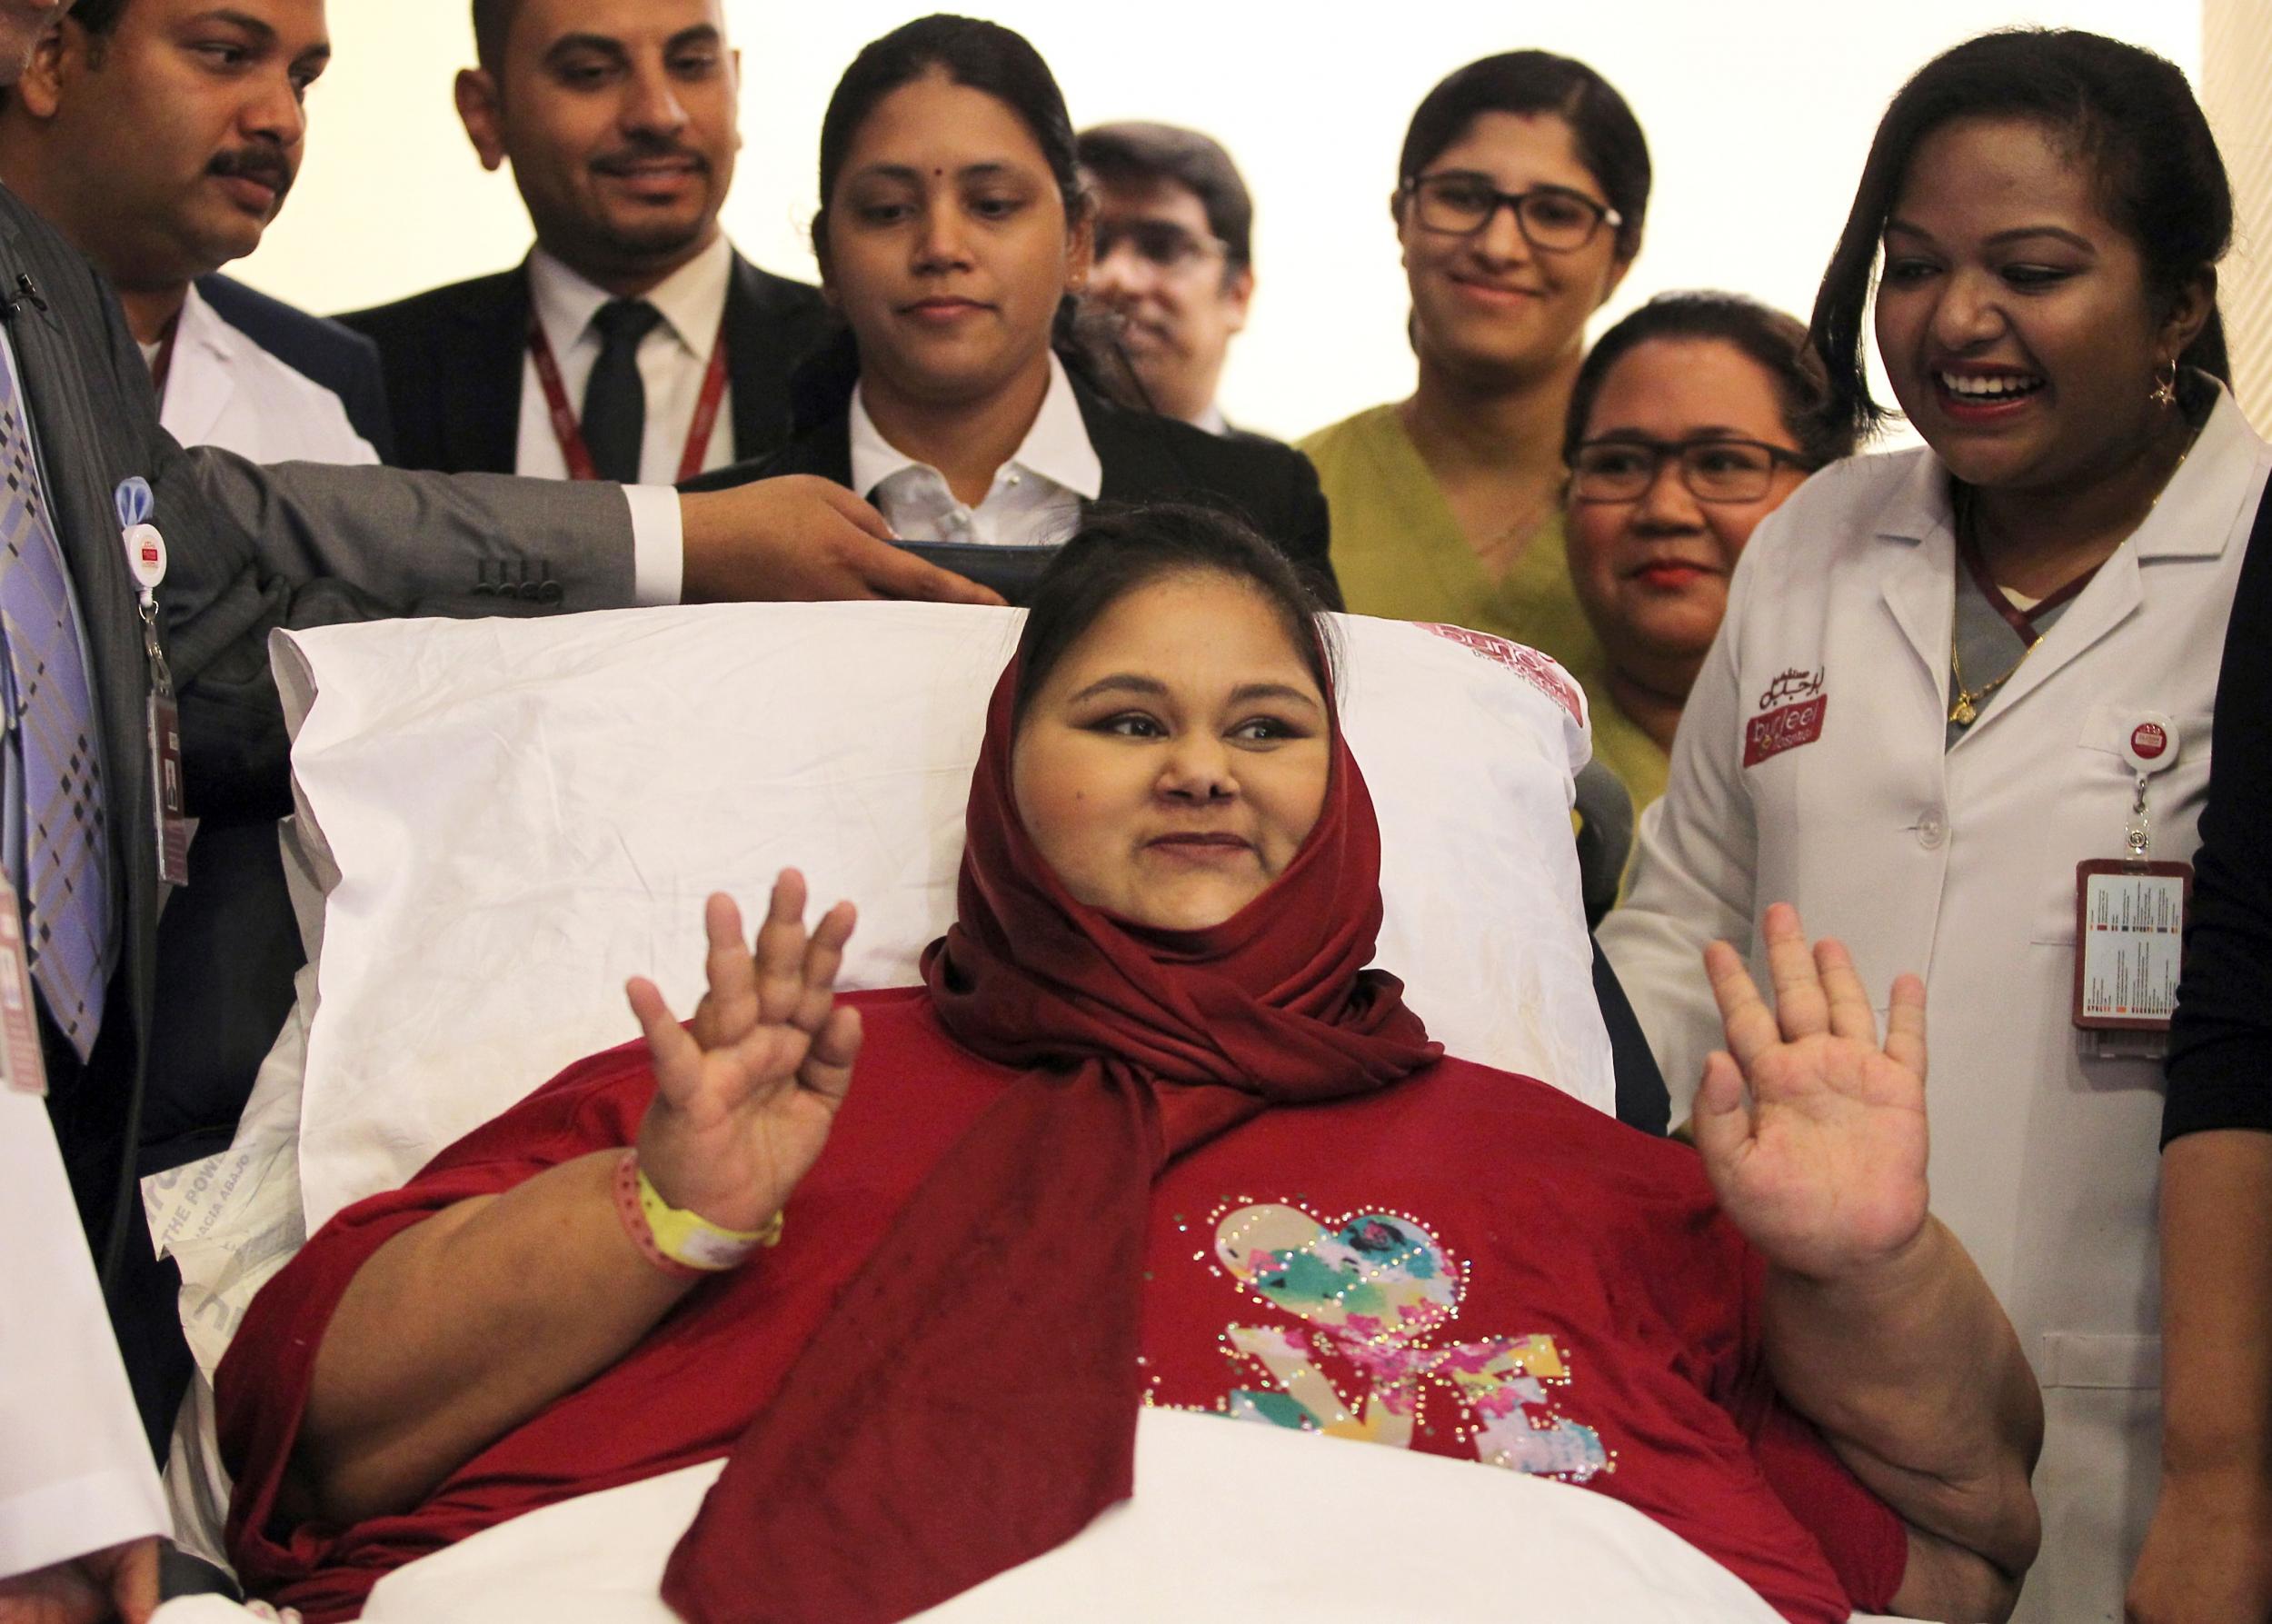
{"points": [[954, 238]]}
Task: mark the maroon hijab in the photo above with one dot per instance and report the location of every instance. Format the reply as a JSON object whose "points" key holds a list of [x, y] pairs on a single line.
{"points": [[870, 1489]]}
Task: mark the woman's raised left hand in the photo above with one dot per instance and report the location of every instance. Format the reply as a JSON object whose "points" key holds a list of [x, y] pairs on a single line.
{"points": [[1813, 1133], [745, 1092]]}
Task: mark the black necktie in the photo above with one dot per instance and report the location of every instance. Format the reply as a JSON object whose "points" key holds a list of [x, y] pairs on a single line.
{"points": [[614, 400]]}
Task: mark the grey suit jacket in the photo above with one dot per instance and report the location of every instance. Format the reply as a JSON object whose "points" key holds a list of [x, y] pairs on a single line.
{"points": [[252, 549]]}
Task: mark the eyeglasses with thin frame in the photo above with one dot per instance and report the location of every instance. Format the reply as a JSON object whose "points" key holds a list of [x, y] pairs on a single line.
{"points": [[1714, 468], [1459, 203], [1161, 244]]}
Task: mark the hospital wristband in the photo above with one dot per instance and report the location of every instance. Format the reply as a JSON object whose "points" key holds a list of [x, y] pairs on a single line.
{"points": [[682, 1244]]}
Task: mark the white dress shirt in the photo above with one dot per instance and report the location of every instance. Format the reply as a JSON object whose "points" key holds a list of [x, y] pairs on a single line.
{"points": [[223, 389], [1035, 499], [674, 362]]}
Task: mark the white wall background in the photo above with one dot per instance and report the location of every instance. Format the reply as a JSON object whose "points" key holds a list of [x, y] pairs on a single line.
{"points": [[1759, 113], [2236, 49]]}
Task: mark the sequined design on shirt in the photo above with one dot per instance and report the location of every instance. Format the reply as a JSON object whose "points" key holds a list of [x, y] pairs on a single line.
{"points": [[1372, 1292]]}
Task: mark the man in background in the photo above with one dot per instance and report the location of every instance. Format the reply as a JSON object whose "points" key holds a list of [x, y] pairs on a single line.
{"points": [[634, 342], [162, 138], [1174, 258]]}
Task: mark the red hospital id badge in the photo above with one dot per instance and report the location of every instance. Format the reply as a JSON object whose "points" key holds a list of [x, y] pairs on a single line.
{"points": [[2129, 940], [165, 780], [21, 1065]]}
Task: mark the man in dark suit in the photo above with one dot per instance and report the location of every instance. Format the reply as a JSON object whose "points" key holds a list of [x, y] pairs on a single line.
{"points": [[124, 135], [619, 119]]}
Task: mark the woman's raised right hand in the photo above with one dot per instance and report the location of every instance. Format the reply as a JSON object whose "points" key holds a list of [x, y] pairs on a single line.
{"points": [[746, 1091]]}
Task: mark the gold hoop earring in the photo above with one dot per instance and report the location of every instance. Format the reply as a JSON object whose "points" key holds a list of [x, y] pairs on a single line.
{"points": [[2165, 389]]}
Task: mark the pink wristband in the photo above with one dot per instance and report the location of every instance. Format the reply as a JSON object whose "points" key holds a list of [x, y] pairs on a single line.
{"points": [[634, 1216]]}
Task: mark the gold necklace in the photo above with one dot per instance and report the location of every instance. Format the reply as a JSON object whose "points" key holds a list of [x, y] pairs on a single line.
{"points": [[1967, 708]]}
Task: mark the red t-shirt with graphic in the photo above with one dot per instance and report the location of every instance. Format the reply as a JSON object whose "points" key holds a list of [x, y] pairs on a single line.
{"points": [[1468, 1263]]}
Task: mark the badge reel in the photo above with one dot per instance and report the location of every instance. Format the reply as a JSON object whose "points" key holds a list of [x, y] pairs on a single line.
{"points": [[2131, 920], [145, 562]]}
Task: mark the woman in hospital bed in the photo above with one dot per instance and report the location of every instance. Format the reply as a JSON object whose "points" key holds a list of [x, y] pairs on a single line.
{"points": [[1148, 1133]]}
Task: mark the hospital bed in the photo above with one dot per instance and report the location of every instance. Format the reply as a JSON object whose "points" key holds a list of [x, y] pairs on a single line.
{"points": [[497, 821]]}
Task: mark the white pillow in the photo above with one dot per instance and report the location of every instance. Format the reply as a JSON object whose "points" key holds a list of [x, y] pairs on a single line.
{"points": [[511, 817]]}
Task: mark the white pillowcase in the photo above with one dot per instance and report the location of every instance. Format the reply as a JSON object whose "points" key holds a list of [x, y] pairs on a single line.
{"points": [[511, 817]]}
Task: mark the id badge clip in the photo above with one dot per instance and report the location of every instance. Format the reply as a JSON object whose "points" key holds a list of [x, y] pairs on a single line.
{"points": [[145, 562], [2131, 920]]}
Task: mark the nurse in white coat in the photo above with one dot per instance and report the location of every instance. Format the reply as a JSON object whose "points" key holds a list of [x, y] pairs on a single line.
{"points": [[1919, 713], [79, 1508]]}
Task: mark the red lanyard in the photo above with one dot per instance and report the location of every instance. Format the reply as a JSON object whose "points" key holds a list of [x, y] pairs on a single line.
{"points": [[162, 368], [2022, 621], [569, 434]]}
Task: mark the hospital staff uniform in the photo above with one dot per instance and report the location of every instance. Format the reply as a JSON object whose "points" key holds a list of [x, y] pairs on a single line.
{"points": [[75, 1475], [1813, 766], [221, 388]]}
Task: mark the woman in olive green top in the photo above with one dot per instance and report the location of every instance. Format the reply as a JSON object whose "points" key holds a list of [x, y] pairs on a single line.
{"points": [[1690, 421], [1521, 188]]}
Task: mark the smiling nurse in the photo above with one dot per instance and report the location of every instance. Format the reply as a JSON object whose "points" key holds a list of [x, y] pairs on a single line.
{"points": [[1921, 713]]}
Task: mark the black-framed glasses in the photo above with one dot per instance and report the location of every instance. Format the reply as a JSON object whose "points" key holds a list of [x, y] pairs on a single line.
{"points": [[1459, 204], [1715, 468], [1159, 243]]}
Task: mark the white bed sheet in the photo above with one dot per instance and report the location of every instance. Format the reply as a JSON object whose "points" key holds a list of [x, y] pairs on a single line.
{"points": [[1231, 1524], [1231, 1521]]}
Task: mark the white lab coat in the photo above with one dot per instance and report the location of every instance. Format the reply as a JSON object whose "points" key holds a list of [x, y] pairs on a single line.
{"points": [[223, 389], [1960, 864], [76, 1473]]}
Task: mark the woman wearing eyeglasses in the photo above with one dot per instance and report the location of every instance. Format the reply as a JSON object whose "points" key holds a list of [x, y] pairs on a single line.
{"points": [[1519, 204], [1959, 686], [1691, 420]]}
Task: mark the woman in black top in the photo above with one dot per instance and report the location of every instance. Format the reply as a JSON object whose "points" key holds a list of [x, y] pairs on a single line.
{"points": [[2209, 1554], [954, 236]]}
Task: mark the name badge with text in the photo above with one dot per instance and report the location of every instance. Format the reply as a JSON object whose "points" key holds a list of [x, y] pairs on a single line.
{"points": [[2130, 912]]}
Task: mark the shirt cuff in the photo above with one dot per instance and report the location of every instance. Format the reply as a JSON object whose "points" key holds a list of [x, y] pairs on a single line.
{"points": [[658, 545], [68, 1519]]}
